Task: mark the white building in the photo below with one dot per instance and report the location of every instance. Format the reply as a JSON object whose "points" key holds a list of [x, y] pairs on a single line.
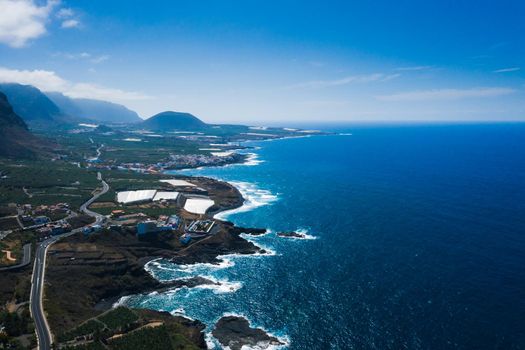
{"points": [[179, 183], [198, 205], [128, 197], [169, 196]]}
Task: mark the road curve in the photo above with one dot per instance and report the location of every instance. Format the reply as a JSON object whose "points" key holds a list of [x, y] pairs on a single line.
{"points": [[26, 259], [43, 332]]}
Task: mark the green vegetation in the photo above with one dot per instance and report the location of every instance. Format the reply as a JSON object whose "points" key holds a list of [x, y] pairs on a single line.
{"points": [[116, 150], [118, 319], [157, 338], [115, 320], [9, 223], [40, 182], [89, 327], [147, 339], [14, 323], [96, 345], [126, 329]]}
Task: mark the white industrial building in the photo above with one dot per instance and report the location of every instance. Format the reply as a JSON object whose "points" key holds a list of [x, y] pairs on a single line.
{"points": [[179, 183], [128, 197], [169, 196], [198, 205], [141, 196]]}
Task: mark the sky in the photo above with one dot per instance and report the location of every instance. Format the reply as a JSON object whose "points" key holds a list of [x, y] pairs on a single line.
{"points": [[263, 62]]}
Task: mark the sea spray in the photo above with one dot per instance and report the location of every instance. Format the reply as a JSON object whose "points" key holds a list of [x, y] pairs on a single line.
{"points": [[254, 197]]}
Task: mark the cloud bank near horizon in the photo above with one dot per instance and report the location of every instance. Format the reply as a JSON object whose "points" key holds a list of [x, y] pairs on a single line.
{"points": [[49, 81]]}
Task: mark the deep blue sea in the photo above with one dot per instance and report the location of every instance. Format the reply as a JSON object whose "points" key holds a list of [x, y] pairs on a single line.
{"points": [[419, 240]]}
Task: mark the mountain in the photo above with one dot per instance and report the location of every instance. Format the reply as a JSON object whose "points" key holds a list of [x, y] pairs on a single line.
{"points": [[94, 110], [173, 121], [31, 104], [15, 139]]}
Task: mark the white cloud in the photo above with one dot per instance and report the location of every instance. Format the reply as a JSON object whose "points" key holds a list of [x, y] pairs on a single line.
{"points": [[42, 79], [345, 81], [23, 20], [447, 94], [50, 81], [67, 16], [414, 68], [70, 23], [82, 56], [506, 70], [88, 90], [99, 59], [65, 13]]}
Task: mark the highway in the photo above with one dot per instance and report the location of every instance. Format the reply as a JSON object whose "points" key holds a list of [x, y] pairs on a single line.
{"points": [[43, 332]]}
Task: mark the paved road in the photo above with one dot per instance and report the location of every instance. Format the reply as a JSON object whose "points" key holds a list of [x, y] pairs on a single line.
{"points": [[37, 283]]}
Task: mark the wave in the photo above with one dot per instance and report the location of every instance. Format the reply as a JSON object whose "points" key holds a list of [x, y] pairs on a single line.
{"points": [[254, 197], [251, 160], [221, 288], [305, 233], [121, 302], [181, 271]]}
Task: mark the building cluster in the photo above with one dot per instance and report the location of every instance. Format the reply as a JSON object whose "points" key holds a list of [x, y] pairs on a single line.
{"points": [[163, 223], [55, 228], [196, 202], [37, 216], [176, 161], [142, 196], [197, 229]]}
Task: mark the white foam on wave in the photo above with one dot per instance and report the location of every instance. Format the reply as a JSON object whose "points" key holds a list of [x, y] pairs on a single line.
{"points": [[181, 272], [254, 197], [252, 160], [179, 312], [122, 301], [211, 341], [305, 233], [160, 264], [221, 288]]}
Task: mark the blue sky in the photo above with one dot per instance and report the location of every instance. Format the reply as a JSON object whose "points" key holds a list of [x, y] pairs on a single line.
{"points": [[274, 61]]}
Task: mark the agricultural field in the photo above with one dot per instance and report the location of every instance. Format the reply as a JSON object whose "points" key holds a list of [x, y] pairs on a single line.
{"points": [[117, 150], [39, 182]]}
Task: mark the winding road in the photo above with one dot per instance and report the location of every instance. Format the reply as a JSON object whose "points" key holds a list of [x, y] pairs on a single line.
{"points": [[43, 332]]}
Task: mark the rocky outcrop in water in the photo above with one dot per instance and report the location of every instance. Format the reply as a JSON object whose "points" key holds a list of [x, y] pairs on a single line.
{"points": [[235, 332]]}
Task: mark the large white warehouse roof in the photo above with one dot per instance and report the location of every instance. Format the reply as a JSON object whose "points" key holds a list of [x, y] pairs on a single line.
{"points": [[128, 197], [165, 195], [176, 183], [198, 205]]}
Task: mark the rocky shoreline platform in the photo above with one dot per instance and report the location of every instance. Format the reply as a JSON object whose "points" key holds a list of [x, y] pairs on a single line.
{"points": [[235, 333]]}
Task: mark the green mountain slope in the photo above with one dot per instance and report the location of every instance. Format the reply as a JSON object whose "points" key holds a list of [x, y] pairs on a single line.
{"points": [[94, 110], [169, 120]]}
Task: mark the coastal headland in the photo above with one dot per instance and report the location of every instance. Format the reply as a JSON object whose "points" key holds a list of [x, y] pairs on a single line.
{"points": [[89, 273]]}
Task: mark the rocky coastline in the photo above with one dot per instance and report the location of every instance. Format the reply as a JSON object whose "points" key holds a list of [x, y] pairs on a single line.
{"points": [[235, 333]]}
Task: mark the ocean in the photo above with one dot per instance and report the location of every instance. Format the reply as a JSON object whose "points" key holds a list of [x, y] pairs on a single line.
{"points": [[416, 240]]}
